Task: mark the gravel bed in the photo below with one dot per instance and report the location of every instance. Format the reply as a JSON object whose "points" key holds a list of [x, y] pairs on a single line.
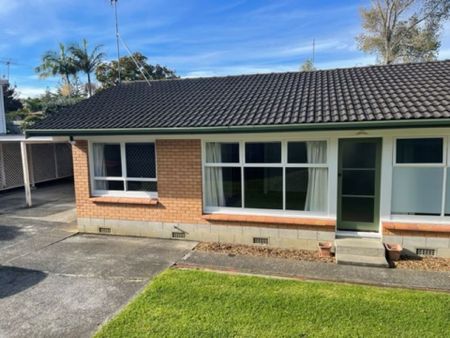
{"points": [[420, 263], [262, 251], [424, 263]]}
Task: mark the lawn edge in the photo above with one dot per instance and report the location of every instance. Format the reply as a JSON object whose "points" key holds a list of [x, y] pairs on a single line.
{"points": [[223, 270]]}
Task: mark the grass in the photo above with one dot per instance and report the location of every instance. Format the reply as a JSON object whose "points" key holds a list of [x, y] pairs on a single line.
{"points": [[188, 303]]}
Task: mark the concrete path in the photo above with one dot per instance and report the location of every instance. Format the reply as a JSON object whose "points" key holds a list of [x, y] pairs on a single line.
{"points": [[56, 283], [319, 271]]}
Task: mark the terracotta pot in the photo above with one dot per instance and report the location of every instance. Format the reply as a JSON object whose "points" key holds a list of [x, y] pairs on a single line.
{"points": [[393, 251], [325, 249]]}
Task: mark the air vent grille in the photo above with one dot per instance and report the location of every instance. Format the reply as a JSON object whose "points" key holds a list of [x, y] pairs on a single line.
{"points": [[104, 230], [260, 240], [178, 235], [425, 252]]}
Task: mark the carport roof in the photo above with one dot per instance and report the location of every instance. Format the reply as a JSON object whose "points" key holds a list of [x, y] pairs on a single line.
{"points": [[338, 98]]}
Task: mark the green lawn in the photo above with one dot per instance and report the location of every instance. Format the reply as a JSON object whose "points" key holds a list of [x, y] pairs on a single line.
{"points": [[188, 303]]}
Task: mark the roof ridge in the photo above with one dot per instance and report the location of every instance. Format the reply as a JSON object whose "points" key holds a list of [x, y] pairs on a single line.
{"points": [[290, 72], [374, 93]]}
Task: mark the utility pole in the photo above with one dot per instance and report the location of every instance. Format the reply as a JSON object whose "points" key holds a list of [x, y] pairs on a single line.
{"points": [[114, 3], [313, 51]]}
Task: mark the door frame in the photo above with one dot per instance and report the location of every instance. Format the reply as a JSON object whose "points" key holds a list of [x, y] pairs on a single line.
{"points": [[378, 167]]}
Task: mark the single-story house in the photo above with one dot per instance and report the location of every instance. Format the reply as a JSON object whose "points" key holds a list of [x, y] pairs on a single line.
{"points": [[283, 159]]}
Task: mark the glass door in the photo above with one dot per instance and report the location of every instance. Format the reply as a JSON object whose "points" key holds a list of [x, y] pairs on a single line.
{"points": [[359, 184]]}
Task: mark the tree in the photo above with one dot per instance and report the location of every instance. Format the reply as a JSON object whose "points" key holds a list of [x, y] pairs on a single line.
{"points": [[307, 66], [11, 99], [57, 63], [35, 109], [403, 30], [108, 75], [87, 62]]}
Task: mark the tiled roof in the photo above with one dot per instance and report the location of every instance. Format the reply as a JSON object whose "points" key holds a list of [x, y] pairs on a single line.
{"points": [[375, 93]]}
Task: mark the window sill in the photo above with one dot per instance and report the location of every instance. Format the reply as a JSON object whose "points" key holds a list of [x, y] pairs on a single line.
{"points": [[320, 222], [423, 227], [124, 200]]}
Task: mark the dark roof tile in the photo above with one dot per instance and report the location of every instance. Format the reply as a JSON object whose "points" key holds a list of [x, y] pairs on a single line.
{"points": [[375, 93]]}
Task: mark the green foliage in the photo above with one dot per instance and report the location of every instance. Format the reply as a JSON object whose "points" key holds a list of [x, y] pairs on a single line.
{"points": [[29, 120], [11, 99], [108, 73], [57, 63], [35, 109], [187, 303], [87, 61], [403, 30], [307, 66], [13, 107]]}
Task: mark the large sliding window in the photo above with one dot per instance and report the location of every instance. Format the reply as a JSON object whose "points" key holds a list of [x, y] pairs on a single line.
{"points": [[418, 181], [289, 175], [123, 169]]}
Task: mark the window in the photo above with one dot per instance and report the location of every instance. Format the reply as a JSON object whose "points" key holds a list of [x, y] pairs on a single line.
{"points": [[418, 177], [267, 175], [127, 169], [420, 150]]}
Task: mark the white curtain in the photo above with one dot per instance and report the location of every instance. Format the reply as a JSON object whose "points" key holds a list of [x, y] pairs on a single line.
{"points": [[99, 165], [214, 194], [316, 195]]}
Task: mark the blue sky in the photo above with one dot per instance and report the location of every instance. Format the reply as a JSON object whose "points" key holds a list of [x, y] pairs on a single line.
{"points": [[194, 37]]}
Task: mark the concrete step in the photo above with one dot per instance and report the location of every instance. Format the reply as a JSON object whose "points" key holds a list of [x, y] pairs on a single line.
{"points": [[360, 246], [377, 262]]}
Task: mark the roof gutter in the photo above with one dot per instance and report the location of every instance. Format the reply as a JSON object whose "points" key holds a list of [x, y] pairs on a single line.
{"points": [[324, 126]]}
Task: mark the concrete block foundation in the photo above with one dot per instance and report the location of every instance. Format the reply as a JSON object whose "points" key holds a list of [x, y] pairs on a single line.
{"points": [[277, 236]]}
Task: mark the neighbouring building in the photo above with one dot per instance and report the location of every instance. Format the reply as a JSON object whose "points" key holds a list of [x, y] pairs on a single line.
{"points": [[287, 159], [27, 162]]}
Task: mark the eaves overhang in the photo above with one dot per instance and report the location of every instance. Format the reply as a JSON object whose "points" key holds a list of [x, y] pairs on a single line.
{"points": [[325, 126]]}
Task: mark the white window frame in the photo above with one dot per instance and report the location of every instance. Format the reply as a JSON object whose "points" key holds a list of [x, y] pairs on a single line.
{"points": [[123, 178], [283, 164], [444, 164]]}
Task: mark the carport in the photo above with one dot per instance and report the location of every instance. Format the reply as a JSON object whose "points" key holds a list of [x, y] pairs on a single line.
{"points": [[26, 162]]}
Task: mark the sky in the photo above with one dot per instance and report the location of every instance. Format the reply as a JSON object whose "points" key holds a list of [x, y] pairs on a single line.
{"points": [[193, 37]]}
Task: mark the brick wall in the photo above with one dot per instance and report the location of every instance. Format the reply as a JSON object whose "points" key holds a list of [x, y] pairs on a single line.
{"points": [[179, 186], [179, 207]]}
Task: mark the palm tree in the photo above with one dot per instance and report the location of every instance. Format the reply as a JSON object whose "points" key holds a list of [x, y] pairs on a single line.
{"points": [[57, 63], [87, 62]]}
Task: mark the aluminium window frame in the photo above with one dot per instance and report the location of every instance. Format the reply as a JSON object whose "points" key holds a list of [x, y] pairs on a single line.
{"points": [[123, 178], [444, 165], [282, 164]]}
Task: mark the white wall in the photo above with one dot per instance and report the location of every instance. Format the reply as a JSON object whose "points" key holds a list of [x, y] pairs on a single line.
{"points": [[2, 108]]}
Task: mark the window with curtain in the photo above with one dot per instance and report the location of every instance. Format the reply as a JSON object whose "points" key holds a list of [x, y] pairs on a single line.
{"points": [[418, 176], [267, 175], [223, 174], [127, 169]]}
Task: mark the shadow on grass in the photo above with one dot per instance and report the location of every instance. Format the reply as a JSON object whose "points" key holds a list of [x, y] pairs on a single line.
{"points": [[14, 280]]}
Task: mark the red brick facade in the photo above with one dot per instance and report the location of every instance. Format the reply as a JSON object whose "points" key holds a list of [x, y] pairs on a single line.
{"points": [[179, 186], [179, 192]]}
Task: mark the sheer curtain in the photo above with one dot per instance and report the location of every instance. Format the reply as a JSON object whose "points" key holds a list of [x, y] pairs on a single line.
{"points": [[99, 165], [316, 195], [214, 193]]}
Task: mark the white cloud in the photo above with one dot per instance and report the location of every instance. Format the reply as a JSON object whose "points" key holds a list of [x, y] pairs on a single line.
{"points": [[28, 91], [345, 63]]}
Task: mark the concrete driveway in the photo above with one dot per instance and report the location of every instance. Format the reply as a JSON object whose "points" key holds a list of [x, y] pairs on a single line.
{"points": [[55, 282]]}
